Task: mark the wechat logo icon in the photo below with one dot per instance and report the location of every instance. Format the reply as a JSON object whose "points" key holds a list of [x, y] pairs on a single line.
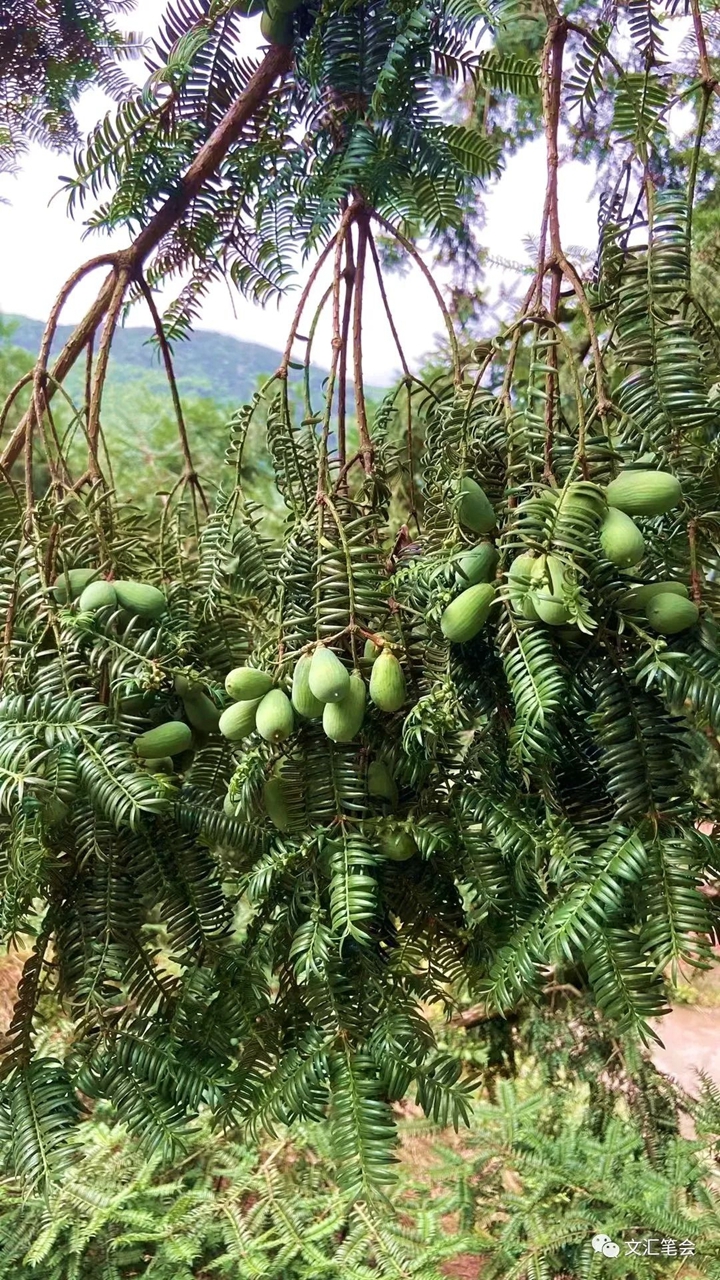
{"points": [[603, 1244]]}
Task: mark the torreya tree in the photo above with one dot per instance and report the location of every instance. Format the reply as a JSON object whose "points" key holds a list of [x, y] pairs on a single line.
{"points": [[265, 800]]}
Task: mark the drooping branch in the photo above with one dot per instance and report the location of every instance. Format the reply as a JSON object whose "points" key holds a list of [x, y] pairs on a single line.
{"points": [[275, 63], [366, 449]]}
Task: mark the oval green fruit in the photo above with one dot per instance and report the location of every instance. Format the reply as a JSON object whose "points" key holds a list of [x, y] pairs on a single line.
{"points": [[229, 807], [621, 540], [162, 764], [244, 683], [380, 782], [166, 740], [370, 651], [71, 584], [342, 720], [548, 579], [398, 845], [277, 31], [274, 719], [140, 598], [329, 679], [387, 682], [668, 614], [477, 565], [639, 597], [520, 577], [98, 595], [476, 511], [468, 613], [201, 711], [239, 720], [644, 493], [302, 696], [276, 803]]}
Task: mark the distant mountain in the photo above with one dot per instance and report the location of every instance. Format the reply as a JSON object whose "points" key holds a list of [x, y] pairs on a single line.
{"points": [[207, 364]]}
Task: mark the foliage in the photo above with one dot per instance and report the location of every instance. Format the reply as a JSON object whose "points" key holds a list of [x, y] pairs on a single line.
{"points": [[211, 954], [574, 1141], [48, 54], [220, 1210]]}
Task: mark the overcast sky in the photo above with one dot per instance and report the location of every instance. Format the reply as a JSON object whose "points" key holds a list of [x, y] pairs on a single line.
{"points": [[40, 246]]}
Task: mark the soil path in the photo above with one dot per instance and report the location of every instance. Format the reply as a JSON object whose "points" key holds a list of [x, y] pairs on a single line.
{"points": [[691, 1043]]}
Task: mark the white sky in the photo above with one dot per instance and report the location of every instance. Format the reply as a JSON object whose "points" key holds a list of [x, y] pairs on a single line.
{"points": [[40, 246]]}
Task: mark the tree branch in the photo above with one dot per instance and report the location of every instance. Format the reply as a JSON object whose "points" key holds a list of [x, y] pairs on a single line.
{"points": [[275, 63]]}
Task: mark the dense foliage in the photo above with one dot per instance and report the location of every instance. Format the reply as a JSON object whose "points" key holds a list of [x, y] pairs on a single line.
{"points": [[48, 53], [579, 1141], [433, 770]]}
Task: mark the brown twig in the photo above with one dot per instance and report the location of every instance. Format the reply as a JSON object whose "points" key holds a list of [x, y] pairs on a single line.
{"points": [[191, 475], [699, 30], [349, 278], [551, 378], [100, 372], [386, 304], [287, 353], [409, 248], [695, 581], [275, 63], [366, 448]]}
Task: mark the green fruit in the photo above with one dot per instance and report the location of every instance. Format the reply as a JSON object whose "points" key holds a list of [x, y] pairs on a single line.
{"points": [[276, 803], [668, 614], [245, 683], [644, 493], [380, 782], [476, 510], [639, 597], [201, 712], [229, 807], [342, 720], [167, 740], [371, 651], [468, 613], [161, 764], [249, 8], [239, 720], [72, 583], [621, 540], [398, 845], [477, 565], [278, 31], [141, 599], [387, 682], [520, 577], [98, 595], [303, 698], [135, 704], [275, 720], [548, 579], [329, 679]]}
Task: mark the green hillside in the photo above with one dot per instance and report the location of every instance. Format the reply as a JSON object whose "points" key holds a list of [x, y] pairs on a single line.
{"points": [[209, 364]]}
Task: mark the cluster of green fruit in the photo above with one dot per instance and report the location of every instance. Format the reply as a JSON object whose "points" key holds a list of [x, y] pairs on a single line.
{"points": [[465, 616], [322, 686], [537, 585], [276, 22], [157, 746], [91, 592]]}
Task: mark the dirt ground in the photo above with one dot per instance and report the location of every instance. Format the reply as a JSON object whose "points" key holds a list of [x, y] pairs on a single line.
{"points": [[691, 1034]]}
